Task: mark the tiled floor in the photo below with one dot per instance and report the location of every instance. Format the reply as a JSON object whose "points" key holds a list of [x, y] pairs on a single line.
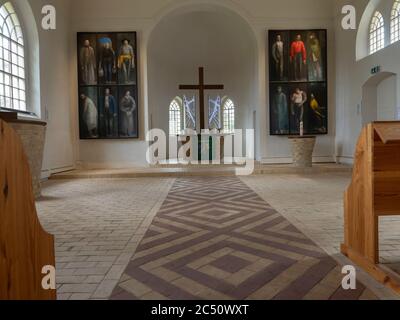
{"points": [[97, 226], [215, 238], [314, 204]]}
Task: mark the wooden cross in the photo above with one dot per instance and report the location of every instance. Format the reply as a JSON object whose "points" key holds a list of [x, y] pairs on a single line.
{"points": [[202, 87]]}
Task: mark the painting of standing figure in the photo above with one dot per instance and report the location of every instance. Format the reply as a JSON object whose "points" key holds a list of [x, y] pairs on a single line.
{"points": [[108, 92], [280, 110], [109, 112], [128, 113], [107, 59], [316, 60], [298, 58], [298, 101], [87, 60], [127, 59], [317, 109], [88, 110], [279, 58]]}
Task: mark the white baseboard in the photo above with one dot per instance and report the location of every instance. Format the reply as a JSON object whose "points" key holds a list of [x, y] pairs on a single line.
{"points": [[345, 160], [109, 165], [46, 173], [289, 160]]}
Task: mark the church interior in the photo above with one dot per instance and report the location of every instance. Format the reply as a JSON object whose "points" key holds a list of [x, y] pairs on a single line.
{"points": [[199, 150]]}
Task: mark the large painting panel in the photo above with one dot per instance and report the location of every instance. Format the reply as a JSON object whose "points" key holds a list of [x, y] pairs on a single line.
{"points": [[298, 87], [108, 92]]}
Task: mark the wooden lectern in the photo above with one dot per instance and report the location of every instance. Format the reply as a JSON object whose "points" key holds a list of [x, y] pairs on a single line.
{"points": [[374, 192], [25, 248]]}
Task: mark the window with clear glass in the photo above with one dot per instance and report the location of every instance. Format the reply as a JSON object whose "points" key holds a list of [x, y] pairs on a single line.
{"points": [[377, 33], [175, 118], [395, 22], [229, 116], [12, 60]]}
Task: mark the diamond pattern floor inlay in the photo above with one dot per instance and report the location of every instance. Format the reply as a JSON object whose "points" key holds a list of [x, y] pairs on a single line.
{"points": [[215, 238]]}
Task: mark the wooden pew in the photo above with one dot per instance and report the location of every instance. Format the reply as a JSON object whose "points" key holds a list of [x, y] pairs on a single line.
{"points": [[25, 248], [374, 192]]}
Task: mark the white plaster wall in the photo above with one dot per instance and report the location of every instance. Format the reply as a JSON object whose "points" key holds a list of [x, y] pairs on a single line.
{"points": [[353, 74], [386, 99], [143, 16], [48, 83], [59, 78]]}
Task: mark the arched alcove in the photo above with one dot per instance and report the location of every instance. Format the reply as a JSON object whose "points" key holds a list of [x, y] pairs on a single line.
{"points": [[379, 98], [209, 36]]}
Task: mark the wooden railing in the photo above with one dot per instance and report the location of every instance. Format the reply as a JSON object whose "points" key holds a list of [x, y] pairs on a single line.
{"points": [[374, 192], [25, 248]]}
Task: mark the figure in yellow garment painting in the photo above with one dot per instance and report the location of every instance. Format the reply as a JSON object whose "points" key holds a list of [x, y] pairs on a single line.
{"points": [[126, 61], [317, 113]]}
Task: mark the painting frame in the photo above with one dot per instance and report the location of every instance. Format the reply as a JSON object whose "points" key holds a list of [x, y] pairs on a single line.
{"points": [[298, 57], [109, 58]]}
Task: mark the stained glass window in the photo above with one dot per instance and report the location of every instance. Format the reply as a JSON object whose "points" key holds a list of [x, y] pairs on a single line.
{"points": [[214, 113], [189, 105]]}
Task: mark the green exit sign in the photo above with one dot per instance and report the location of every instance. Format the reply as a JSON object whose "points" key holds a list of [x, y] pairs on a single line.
{"points": [[376, 70]]}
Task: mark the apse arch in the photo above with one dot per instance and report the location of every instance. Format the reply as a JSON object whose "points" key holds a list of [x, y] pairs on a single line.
{"points": [[187, 6], [32, 54], [239, 61]]}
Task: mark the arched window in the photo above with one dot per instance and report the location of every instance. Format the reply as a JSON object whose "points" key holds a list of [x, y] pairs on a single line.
{"points": [[12, 60], [175, 117], [395, 22], [229, 116], [376, 33]]}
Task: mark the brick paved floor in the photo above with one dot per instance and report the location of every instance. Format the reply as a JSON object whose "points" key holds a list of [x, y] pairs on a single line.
{"points": [[314, 204], [99, 223], [97, 226], [215, 238]]}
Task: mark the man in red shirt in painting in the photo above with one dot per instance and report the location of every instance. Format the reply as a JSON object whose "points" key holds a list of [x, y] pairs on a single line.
{"points": [[298, 57]]}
